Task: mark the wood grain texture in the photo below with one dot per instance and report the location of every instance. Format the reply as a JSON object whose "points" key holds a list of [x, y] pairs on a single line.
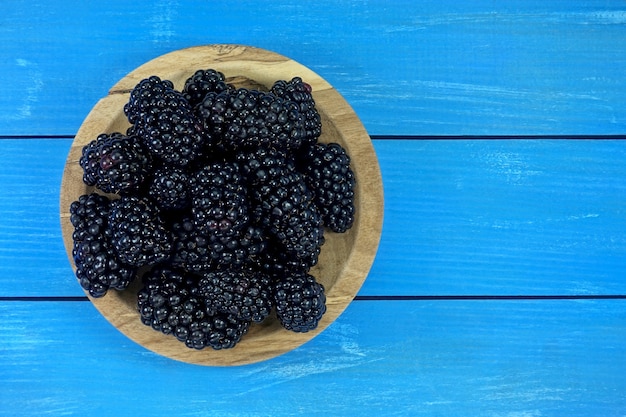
{"points": [[489, 358], [430, 67], [345, 258]]}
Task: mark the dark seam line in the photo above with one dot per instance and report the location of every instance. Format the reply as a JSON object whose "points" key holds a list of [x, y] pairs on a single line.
{"points": [[384, 297], [485, 297], [498, 137]]}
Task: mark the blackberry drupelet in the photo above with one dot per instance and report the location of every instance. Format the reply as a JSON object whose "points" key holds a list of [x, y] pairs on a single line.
{"points": [[115, 163], [299, 92], [300, 302], [138, 233], [248, 119], [243, 292], [218, 199], [165, 121], [169, 188], [202, 82], [98, 267], [327, 171]]}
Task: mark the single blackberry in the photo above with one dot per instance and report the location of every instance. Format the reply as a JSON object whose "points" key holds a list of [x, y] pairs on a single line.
{"points": [[243, 292], [248, 119], [196, 251], [327, 171], [299, 92], [300, 302], [283, 206], [218, 199], [202, 82], [138, 234], [115, 163], [165, 121], [142, 95], [169, 188], [258, 166], [98, 267], [169, 302]]}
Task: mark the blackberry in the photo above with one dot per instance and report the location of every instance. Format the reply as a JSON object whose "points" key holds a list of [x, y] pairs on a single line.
{"points": [[141, 97], [115, 163], [169, 188], [138, 233], [196, 251], [243, 292], [202, 82], [169, 302], [299, 92], [300, 302], [218, 199], [165, 121], [327, 171], [261, 165], [97, 266], [248, 119], [283, 206]]}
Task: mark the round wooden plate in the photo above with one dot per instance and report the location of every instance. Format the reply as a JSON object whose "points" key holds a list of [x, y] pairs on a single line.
{"points": [[345, 259]]}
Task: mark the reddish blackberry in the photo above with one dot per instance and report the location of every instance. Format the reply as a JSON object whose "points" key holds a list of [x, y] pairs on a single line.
{"points": [[165, 121], [169, 302], [97, 266], [202, 82], [196, 251], [283, 206], [243, 292], [218, 199], [300, 302], [115, 163], [327, 171], [299, 92], [137, 232], [248, 119], [169, 188]]}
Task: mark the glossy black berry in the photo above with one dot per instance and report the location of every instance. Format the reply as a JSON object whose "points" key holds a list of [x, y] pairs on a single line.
{"points": [[328, 172], [300, 93], [300, 302], [201, 83], [98, 268], [219, 199], [166, 123], [169, 188], [115, 163], [249, 119], [245, 293], [138, 234]]}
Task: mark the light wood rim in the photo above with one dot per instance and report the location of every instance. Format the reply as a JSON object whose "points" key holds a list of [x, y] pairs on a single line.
{"points": [[348, 257]]}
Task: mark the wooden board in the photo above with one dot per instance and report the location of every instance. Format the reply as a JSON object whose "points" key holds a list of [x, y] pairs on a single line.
{"points": [[345, 259]]}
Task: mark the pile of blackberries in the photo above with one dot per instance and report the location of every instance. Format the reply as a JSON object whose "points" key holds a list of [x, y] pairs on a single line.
{"points": [[219, 197]]}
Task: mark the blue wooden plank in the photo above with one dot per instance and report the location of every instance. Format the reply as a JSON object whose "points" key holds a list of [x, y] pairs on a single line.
{"points": [[430, 67], [462, 217], [32, 255], [501, 217], [488, 358]]}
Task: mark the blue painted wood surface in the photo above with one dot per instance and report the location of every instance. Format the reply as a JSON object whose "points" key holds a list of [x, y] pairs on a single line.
{"points": [[498, 288]]}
